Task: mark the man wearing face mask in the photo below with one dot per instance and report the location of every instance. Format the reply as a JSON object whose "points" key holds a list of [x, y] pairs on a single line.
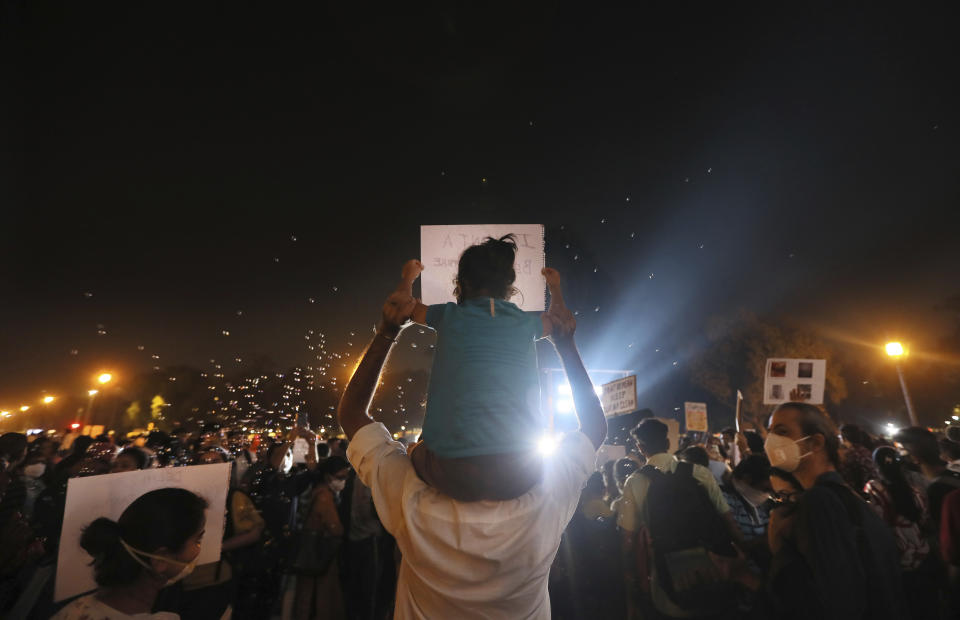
{"points": [[833, 557]]}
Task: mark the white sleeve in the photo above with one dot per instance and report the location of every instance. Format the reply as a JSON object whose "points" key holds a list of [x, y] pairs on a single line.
{"points": [[567, 469], [382, 464]]}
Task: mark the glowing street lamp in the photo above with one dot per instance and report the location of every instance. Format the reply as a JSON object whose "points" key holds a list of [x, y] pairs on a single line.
{"points": [[24, 407], [898, 352], [48, 399], [105, 378], [92, 392]]}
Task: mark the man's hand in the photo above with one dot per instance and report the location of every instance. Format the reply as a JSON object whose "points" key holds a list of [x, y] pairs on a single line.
{"points": [[797, 396], [396, 312], [561, 319]]}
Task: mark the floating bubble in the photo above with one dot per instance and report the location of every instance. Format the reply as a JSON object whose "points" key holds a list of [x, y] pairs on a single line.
{"points": [[597, 309], [576, 313], [674, 363], [483, 180]]}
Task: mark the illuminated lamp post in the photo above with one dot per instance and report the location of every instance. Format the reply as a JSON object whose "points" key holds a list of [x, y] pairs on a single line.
{"points": [[897, 351]]}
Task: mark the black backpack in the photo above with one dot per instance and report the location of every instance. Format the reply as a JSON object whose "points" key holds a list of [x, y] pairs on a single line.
{"points": [[683, 525]]}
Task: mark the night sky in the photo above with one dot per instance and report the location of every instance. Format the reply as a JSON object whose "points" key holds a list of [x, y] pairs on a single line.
{"points": [[181, 164]]}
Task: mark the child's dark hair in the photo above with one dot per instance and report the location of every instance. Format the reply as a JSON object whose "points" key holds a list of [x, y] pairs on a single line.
{"points": [[486, 269], [163, 518]]}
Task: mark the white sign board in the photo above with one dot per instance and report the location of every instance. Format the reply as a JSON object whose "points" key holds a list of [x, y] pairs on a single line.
{"points": [[696, 416], [620, 396], [441, 247], [108, 496], [300, 448], [673, 433], [610, 453], [781, 376]]}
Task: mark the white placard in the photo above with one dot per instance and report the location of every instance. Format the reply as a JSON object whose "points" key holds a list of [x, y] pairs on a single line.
{"points": [[673, 433], [610, 453], [108, 495], [783, 375], [441, 247], [696, 416], [300, 448], [619, 397]]}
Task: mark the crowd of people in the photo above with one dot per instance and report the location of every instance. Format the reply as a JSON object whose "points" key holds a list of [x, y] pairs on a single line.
{"points": [[795, 520], [301, 540]]}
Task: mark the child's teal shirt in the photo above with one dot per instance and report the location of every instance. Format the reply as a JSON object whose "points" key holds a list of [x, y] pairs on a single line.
{"points": [[484, 395]]}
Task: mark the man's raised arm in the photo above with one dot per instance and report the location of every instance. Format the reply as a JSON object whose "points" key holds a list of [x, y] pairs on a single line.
{"points": [[355, 402], [593, 424]]}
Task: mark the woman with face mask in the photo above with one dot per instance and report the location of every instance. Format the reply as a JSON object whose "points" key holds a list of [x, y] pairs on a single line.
{"points": [[154, 544], [318, 593]]}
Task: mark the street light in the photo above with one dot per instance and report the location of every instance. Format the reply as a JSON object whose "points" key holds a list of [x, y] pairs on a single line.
{"points": [[92, 392], [24, 407], [897, 351], [105, 378], [48, 399]]}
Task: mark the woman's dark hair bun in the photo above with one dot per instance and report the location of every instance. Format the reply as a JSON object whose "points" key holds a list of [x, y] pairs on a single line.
{"points": [[100, 537]]}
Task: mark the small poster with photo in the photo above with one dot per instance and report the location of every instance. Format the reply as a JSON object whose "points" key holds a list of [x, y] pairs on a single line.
{"points": [[784, 375]]}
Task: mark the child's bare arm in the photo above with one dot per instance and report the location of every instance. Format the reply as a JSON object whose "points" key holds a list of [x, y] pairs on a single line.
{"points": [[411, 271]]}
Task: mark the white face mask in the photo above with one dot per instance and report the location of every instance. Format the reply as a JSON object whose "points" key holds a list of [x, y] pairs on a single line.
{"points": [[187, 566], [35, 470], [337, 485], [783, 452], [752, 495]]}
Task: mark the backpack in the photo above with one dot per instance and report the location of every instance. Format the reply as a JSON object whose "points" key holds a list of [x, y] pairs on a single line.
{"points": [[684, 524], [882, 600]]}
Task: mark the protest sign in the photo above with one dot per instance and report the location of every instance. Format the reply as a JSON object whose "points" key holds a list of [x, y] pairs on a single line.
{"points": [[300, 448], [673, 433], [696, 416], [620, 396], [783, 375], [610, 453], [441, 247], [108, 495]]}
